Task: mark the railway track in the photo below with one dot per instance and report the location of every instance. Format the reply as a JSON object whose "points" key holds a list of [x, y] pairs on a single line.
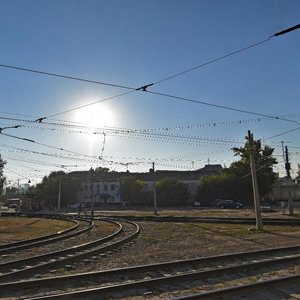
{"points": [[17, 269], [79, 227], [186, 279]]}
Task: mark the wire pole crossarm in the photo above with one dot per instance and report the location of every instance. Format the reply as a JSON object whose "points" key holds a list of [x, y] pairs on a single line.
{"points": [[259, 224]]}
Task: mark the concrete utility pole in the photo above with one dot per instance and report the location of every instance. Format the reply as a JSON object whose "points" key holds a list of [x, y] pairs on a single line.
{"points": [[92, 193], [59, 193], [154, 191], [259, 224], [287, 163], [289, 182]]}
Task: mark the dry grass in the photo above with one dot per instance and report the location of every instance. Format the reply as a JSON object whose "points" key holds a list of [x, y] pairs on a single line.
{"points": [[215, 213], [14, 229]]}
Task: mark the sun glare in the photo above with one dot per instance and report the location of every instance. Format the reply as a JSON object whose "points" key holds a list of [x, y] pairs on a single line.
{"points": [[95, 116]]}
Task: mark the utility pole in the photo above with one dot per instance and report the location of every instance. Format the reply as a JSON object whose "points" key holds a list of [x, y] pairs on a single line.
{"points": [[2, 162], [287, 163], [59, 192], [154, 191], [289, 182], [259, 224], [92, 193]]}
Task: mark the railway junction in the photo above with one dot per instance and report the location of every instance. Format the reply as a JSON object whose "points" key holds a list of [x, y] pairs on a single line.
{"points": [[179, 254]]}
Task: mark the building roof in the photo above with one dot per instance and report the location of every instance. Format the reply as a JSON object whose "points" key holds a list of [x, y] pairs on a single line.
{"points": [[85, 176]]}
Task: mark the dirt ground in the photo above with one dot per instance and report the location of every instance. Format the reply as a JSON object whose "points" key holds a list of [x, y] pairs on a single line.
{"points": [[14, 229]]}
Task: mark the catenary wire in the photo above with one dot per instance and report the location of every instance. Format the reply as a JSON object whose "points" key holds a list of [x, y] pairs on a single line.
{"points": [[65, 76], [142, 88], [220, 106]]}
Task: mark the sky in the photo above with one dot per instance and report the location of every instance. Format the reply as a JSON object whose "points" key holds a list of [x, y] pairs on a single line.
{"points": [[213, 70]]}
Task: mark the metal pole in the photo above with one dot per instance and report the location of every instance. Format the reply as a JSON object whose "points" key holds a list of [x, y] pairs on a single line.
{"points": [[288, 181], [59, 193], [154, 192], [259, 224], [92, 195]]}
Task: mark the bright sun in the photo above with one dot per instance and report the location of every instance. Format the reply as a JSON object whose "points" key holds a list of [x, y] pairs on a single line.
{"points": [[95, 116]]}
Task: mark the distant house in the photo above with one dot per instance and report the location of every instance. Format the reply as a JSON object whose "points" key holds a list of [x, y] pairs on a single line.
{"points": [[105, 188], [284, 188], [99, 192]]}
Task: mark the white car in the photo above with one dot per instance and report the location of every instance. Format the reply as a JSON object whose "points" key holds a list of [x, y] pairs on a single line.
{"points": [[74, 205]]}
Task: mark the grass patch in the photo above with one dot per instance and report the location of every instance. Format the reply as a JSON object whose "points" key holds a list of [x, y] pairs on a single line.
{"points": [[14, 229]]}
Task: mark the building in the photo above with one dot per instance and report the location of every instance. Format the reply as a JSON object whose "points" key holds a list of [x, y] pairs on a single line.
{"points": [[105, 188], [105, 191], [285, 188]]}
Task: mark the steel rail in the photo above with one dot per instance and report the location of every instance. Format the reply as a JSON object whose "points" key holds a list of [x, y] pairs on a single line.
{"points": [[44, 240], [139, 272], [223, 220], [3, 247], [76, 253], [139, 285], [231, 291]]}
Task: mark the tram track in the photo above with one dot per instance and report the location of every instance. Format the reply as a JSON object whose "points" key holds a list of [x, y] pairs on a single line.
{"points": [[201, 278], [33, 265], [159, 279], [81, 226]]}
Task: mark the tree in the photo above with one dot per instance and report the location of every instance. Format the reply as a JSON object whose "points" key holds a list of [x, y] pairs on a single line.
{"points": [[48, 189], [100, 170], [2, 178], [235, 182], [264, 162], [216, 186], [132, 190], [171, 192]]}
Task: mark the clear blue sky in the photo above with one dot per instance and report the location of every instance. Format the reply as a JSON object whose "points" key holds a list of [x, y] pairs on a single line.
{"points": [[134, 43]]}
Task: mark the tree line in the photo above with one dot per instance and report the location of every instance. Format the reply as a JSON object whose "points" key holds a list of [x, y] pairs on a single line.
{"points": [[233, 182]]}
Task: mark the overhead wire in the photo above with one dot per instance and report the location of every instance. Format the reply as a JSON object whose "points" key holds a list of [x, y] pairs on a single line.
{"points": [[65, 76], [211, 61], [220, 106], [283, 133], [145, 87], [81, 126]]}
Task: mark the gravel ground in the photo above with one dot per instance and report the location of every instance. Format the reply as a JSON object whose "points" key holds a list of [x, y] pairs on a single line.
{"points": [[166, 241], [160, 242], [100, 230]]}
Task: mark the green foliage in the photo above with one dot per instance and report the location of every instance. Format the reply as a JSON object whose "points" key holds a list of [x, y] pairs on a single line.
{"points": [[2, 182], [235, 182], [171, 192], [132, 190], [48, 189], [101, 170]]}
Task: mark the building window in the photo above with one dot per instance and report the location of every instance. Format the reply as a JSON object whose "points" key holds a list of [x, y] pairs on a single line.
{"points": [[105, 187], [98, 188], [112, 187]]}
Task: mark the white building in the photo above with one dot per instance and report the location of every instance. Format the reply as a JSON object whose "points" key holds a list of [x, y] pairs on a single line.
{"points": [[107, 187], [101, 192]]}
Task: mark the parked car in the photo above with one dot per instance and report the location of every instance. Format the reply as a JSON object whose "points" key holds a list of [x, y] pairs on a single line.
{"points": [[266, 209], [74, 205], [13, 205], [229, 204]]}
